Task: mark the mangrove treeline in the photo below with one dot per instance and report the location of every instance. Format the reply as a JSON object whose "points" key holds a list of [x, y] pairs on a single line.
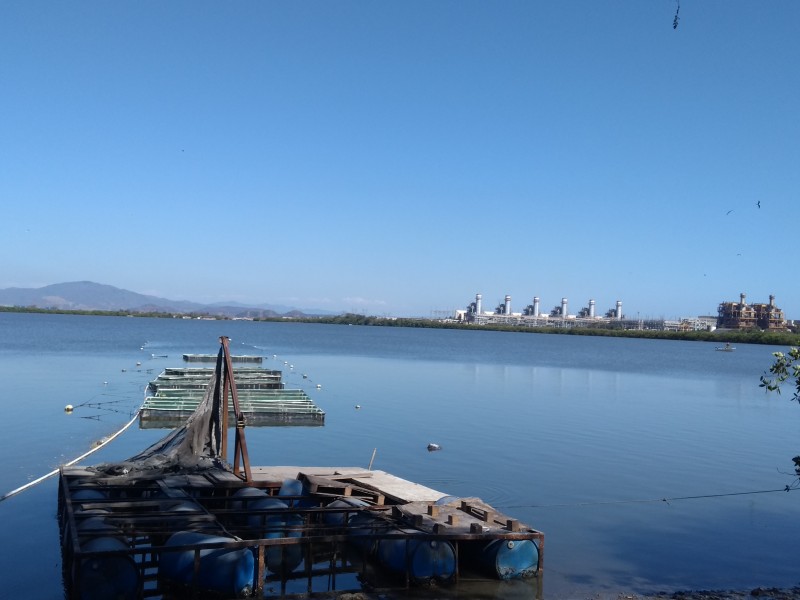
{"points": [[753, 336]]}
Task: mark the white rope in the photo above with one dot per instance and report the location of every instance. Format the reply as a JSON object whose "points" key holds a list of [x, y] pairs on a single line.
{"points": [[72, 462]]}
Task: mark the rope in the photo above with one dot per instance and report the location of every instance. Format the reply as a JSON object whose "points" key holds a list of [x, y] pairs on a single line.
{"points": [[97, 447], [787, 488]]}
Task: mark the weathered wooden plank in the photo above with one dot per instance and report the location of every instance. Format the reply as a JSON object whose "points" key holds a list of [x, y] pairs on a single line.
{"points": [[390, 486]]}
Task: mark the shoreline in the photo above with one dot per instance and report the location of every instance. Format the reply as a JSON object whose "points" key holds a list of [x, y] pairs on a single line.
{"points": [[771, 338]]}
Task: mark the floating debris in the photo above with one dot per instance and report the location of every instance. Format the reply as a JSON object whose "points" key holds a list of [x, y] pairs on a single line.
{"points": [[433, 447]]}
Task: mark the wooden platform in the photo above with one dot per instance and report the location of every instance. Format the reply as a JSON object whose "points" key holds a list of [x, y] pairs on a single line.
{"points": [[342, 481]]}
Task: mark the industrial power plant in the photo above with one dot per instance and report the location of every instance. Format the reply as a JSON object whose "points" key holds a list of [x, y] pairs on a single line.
{"points": [[533, 316], [730, 315]]}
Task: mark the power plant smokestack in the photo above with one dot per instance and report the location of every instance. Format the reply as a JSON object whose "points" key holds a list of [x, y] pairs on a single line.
{"points": [[618, 314], [507, 309], [478, 304], [771, 300], [536, 306], [563, 308], [742, 298], [591, 309]]}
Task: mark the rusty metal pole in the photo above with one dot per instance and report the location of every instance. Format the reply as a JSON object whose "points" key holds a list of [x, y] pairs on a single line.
{"points": [[224, 407], [241, 442]]}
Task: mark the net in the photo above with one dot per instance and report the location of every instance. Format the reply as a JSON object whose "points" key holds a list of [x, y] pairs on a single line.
{"points": [[195, 446]]}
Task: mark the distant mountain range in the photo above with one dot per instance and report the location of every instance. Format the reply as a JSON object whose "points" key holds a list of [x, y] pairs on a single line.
{"points": [[87, 295]]}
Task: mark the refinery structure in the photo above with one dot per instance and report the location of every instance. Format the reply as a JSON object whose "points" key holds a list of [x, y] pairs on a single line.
{"points": [[740, 315], [731, 315]]}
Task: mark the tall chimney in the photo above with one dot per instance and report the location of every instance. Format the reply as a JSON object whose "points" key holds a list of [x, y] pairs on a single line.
{"points": [[478, 304], [508, 306], [618, 315], [591, 309], [536, 306], [563, 308]]}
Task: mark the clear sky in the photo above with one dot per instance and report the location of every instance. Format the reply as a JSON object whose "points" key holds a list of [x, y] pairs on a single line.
{"points": [[396, 158]]}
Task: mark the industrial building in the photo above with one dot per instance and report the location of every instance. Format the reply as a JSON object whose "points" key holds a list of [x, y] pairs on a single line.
{"points": [[731, 315], [532, 315], [740, 315]]}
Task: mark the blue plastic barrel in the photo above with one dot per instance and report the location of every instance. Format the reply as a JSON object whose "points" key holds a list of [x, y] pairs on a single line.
{"points": [[509, 559], [291, 487], [423, 560], [243, 497], [188, 511], [278, 523], [224, 570], [103, 577], [362, 529], [98, 526], [286, 557], [335, 518]]}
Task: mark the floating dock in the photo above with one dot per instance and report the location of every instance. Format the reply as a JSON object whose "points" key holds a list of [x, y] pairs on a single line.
{"points": [[173, 397], [288, 531], [178, 521]]}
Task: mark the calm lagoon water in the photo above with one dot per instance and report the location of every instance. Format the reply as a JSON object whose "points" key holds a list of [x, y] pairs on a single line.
{"points": [[591, 440]]}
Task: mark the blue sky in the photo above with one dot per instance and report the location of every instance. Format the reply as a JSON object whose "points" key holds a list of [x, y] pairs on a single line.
{"points": [[398, 158]]}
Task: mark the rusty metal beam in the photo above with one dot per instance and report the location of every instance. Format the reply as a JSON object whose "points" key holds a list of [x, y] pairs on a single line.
{"points": [[240, 442]]}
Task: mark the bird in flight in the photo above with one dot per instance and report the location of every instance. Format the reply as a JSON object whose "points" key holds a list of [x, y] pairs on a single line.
{"points": [[729, 212], [758, 204]]}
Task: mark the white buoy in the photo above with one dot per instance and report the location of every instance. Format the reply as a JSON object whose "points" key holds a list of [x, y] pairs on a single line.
{"points": [[68, 408]]}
